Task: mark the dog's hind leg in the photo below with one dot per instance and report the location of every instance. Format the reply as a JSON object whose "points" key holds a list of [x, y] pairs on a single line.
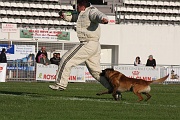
{"points": [[148, 96], [139, 96], [137, 92]]}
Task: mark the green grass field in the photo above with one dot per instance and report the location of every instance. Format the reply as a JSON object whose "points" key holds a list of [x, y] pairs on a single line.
{"points": [[35, 101]]}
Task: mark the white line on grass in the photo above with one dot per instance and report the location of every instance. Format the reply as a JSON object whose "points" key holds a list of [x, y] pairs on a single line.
{"points": [[29, 97]]}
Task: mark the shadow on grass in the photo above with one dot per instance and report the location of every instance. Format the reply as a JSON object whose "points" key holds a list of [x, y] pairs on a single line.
{"points": [[91, 97], [21, 93], [36, 95]]}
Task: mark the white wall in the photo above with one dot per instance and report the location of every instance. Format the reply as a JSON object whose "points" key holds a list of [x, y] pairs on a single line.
{"points": [[163, 42]]}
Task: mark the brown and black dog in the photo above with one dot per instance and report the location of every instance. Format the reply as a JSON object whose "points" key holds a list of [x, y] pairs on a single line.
{"points": [[122, 83]]}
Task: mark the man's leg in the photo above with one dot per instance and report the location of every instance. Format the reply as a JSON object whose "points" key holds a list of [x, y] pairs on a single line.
{"points": [[93, 65], [73, 57], [64, 69]]}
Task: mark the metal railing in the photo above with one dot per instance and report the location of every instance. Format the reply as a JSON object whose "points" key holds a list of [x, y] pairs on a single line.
{"points": [[26, 72]]}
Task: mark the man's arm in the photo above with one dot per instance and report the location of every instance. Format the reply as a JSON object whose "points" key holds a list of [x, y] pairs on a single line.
{"points": [[71, 16], [96, 16]]}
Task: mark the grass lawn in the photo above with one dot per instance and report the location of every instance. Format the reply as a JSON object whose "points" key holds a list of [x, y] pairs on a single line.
{"points": [[35, 101]]}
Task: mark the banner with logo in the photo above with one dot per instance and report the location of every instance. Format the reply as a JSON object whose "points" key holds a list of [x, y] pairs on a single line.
{"points": [[88, 75], [145, 73], [48, 73], [14, 52], [20, 57], [44, 34], [9, 28], [174, 73], [3, 72]]}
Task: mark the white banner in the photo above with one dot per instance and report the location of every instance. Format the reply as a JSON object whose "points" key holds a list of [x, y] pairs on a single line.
{"points": [[48, 73], [3, 72], [145, 73], [174, 73], [9, 28], [21, 51], [88, 75]]}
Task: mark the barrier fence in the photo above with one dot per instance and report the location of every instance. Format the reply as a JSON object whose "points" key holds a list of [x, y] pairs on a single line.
{"points": [[34, 72]]}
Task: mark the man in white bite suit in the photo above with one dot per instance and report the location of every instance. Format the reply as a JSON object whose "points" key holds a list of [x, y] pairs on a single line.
{"points": [[88, 51]]}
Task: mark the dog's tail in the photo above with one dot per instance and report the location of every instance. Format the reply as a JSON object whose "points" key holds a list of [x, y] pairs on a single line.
{"points": [[161, 79]]}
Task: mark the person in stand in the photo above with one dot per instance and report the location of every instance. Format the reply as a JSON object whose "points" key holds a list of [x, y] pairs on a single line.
{"points": [[137, 61], [58, 58], [151, 61], [38, 55], [53, 59], [44, 60], [3, 58], [89, 49]]}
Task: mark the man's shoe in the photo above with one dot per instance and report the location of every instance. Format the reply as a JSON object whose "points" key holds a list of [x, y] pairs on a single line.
{"points": [[55, 87]]}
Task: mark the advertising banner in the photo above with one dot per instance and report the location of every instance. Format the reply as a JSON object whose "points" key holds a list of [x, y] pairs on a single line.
{"points": [[9, 28], [3, 72], [88, 75], [14, 52], [44, 34], [145, 73], [174, 73], [48, 73], [20, 57]]}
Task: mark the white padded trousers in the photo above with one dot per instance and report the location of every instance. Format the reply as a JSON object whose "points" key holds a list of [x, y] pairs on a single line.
{"points": [[88, 52]]}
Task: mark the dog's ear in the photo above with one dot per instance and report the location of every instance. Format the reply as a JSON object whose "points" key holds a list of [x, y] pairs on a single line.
{"points": [[102, 73]]}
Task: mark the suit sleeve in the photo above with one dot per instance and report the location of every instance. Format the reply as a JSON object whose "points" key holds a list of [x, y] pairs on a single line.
{"points": [[74, 16], [96, 16]]}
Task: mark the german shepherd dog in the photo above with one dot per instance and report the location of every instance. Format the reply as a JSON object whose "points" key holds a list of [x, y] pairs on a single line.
{"points": [[121, 83]]}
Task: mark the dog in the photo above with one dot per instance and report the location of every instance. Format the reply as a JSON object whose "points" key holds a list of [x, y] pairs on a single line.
{"points": [[121, 83]]}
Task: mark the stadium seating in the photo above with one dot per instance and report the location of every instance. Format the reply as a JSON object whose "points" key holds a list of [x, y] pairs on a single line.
{"points": [[45, 12], [149, 11]]}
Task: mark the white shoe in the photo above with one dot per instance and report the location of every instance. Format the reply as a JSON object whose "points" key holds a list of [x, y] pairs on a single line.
{"points": [[56, 87]]}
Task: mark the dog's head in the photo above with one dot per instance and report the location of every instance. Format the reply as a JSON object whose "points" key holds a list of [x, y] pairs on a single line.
{"points": [[106, 72]]}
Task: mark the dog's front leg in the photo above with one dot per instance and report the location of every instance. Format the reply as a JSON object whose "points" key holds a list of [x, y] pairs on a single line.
{"points": [[115, 94]]}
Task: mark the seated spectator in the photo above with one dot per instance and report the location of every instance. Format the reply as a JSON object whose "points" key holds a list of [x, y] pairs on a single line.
{"points": [[151, 61], [137, 61], [53, 59], [44, 60], [38, 55], [58, 58]]}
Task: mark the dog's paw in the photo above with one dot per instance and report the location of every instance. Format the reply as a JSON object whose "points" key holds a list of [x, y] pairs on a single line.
{"points": [[117, 97]]}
